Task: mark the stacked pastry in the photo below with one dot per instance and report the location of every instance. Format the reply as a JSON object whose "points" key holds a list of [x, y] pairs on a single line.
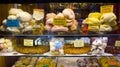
{"points": [[24, 18], [109, 61], [101, 23], [25, 62], [25, 22], [67, 14], [87, 62], [5, 45], [46, 62]]}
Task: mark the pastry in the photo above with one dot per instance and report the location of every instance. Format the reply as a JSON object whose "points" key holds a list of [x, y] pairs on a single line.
{"points": [[68, 13]]}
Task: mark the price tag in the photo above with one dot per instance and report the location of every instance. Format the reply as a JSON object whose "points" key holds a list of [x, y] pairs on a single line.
{"points": [[78, 43], [117, 43], [12, 23], [28, 42], [60, 22], [106, 9], [38, 14]]}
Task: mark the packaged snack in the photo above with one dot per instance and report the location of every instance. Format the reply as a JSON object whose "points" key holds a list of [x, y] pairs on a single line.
{"points": [[98, 45], [56, 46]]}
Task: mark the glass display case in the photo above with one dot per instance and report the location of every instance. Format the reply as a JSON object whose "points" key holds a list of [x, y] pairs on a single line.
{"points": [[60, 35]]}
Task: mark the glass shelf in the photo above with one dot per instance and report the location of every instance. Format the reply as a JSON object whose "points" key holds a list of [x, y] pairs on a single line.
{"points": [[14, 53]]}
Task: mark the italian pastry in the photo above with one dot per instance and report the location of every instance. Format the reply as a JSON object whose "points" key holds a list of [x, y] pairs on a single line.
{"points": [[92, 62], [25, 62], [68, 15], [67, 62], [46, 62], [25, 22], [88, 62], [6, 45], [70, 49], [81, 62], [82, 48], [32, 50], [98, 46], [101, 23], [109, 61]]}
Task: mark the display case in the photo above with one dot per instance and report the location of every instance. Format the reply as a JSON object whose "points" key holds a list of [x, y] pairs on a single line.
{"points": [[79, 34]]}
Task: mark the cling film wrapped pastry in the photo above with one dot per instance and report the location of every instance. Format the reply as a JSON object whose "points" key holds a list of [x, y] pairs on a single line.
{"points": [[14, 11], [56, 46], [92, 21], [68, 13], [98, 46], [66, 17], [50, 15], [93, 28], [104, 23], [108, 17], [105, 28], [96, 15], [59, 15], [19, 22], [114, 23]]}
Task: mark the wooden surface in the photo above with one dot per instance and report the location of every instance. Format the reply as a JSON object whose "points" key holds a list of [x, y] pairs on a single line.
{"points": [[4, 8], [2, 62], [10, 60], [7, 61]]}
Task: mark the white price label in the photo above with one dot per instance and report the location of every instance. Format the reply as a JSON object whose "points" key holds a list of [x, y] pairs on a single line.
{"points": [[28, 42], [78, 43], [117, 43]]}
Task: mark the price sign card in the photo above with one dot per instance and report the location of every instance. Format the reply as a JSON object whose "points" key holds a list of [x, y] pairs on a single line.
{"points": [[38, 14], [78, 43], [106, 9], [28, 42], [60, 22], [12, 23], [117, 43]]}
